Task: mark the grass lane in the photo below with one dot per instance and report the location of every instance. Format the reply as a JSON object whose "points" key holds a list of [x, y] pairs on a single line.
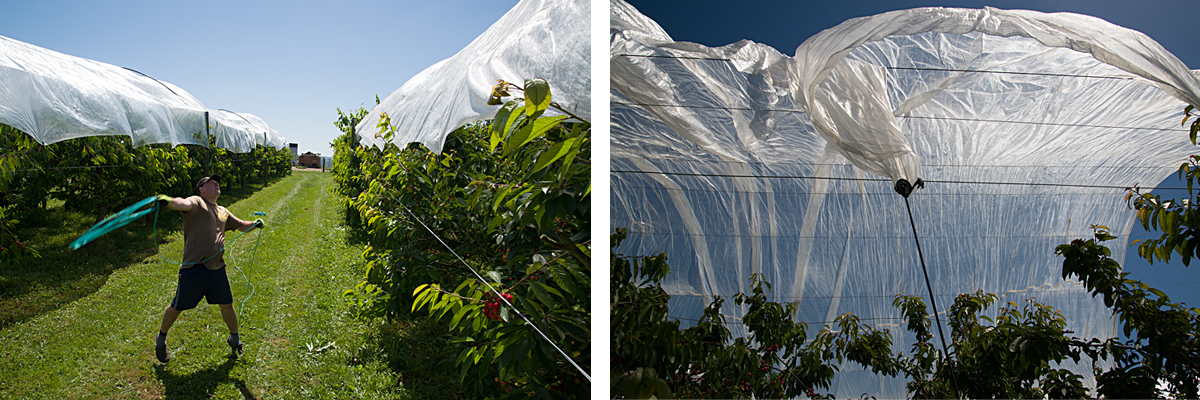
{"points": [[300, 340]]}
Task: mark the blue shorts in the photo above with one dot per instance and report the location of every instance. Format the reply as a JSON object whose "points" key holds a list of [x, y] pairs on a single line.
{"points": [[198, 282]]}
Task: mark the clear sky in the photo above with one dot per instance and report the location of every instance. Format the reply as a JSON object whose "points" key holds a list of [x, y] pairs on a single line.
{"points": [[786, 24], [292, 63]]}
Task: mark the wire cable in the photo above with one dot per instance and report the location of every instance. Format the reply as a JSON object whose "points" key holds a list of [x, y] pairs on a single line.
{"points": [[80, 167], [485, 282], [906, 68], [904, 116], [836, 178]]}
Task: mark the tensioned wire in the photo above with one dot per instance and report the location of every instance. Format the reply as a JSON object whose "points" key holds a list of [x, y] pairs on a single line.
{"points": [[834, 178], [111, 166], [924, 193], [806, 164], [1035, 289], [905, 116], [485, 282], [909, 68]]}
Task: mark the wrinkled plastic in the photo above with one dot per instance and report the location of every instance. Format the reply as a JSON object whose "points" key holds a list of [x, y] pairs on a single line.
{"points": [[54, 97], [738, 160], [240, 132], [546, 39]]}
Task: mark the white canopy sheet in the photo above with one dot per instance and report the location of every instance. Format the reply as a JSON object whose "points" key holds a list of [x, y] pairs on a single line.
{"points": [[1025, 127], [240, 132], [54, 97], [546, 39]]}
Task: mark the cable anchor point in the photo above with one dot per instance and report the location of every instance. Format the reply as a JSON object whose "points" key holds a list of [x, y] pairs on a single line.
{"points": [[905, 188]]}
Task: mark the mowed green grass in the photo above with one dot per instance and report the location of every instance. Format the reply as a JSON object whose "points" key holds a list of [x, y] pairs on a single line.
{"points": [[301, 341]]}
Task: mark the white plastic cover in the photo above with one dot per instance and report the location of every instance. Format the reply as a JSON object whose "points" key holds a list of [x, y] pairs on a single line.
{"points": [[1025, 127], [240, 132], [54, 97], [535, 39]]}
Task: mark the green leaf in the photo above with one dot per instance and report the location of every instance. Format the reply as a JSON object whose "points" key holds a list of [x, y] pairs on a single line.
{"points": [[500, 124], [517, 139], [462, 356], [501, 117], [539, 290], [458, 316], [1195, 128], [537, 94], [550, 289], [495, 275], [552, 154], [563, 279], [542, 125], [511, 203], [501, 196], [495, 222], [570, 157], [516, 119]]}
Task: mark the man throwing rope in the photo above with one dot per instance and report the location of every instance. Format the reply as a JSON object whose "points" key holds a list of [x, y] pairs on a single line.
{"points": [[202, 269]]}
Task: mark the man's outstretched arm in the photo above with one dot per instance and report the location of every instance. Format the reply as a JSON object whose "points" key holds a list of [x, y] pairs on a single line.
{"points": [[175, 203], [247, 225]]}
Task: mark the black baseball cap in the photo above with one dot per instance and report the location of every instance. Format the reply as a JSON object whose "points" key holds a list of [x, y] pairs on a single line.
{"points": [[214, 177]]}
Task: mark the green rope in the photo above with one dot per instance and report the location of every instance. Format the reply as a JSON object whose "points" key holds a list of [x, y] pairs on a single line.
{"points": [[250, 267], [117, 220]]}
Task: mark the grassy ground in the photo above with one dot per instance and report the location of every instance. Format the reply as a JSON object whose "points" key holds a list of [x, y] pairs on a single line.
{"points": [[81, 324]]}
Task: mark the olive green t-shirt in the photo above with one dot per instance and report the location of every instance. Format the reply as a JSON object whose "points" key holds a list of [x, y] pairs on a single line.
{"points": [[204, 229]]}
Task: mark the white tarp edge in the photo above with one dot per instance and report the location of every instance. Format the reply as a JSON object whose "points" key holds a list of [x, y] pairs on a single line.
{"points": [[54, 97], [536, 39]]}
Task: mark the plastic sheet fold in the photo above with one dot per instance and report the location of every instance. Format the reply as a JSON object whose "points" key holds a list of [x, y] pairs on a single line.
{"points": [[54, 97], [1025, 127], [546, 39]]}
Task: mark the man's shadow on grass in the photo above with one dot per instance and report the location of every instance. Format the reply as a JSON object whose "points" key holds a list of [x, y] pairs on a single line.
{"points": [[200, 384]]}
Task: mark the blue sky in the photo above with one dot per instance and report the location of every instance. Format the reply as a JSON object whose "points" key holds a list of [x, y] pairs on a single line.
{"points": [[292, 63], [786, 24]]}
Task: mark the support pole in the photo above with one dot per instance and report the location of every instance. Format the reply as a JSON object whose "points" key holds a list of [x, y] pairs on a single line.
{"points": [[905, 189], [207, 136]]}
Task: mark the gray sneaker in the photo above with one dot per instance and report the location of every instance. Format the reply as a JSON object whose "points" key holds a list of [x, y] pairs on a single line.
{"points": [[161, 353], [235, 347]]}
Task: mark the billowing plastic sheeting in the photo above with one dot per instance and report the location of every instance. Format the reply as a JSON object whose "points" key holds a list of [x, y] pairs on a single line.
{"points": [[54, 97], [1025, 126], [231, 131], [536, 39]]}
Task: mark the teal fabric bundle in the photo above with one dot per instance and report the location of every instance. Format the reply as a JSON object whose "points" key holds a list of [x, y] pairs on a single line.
{"points": [[121, 218]]}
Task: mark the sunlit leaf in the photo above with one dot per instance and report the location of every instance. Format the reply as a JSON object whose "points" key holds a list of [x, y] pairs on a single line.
{"points": [[537, 94]]}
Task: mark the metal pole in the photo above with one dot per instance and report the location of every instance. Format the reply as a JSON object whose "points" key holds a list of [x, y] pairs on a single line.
{"points": [[207, 135]]}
